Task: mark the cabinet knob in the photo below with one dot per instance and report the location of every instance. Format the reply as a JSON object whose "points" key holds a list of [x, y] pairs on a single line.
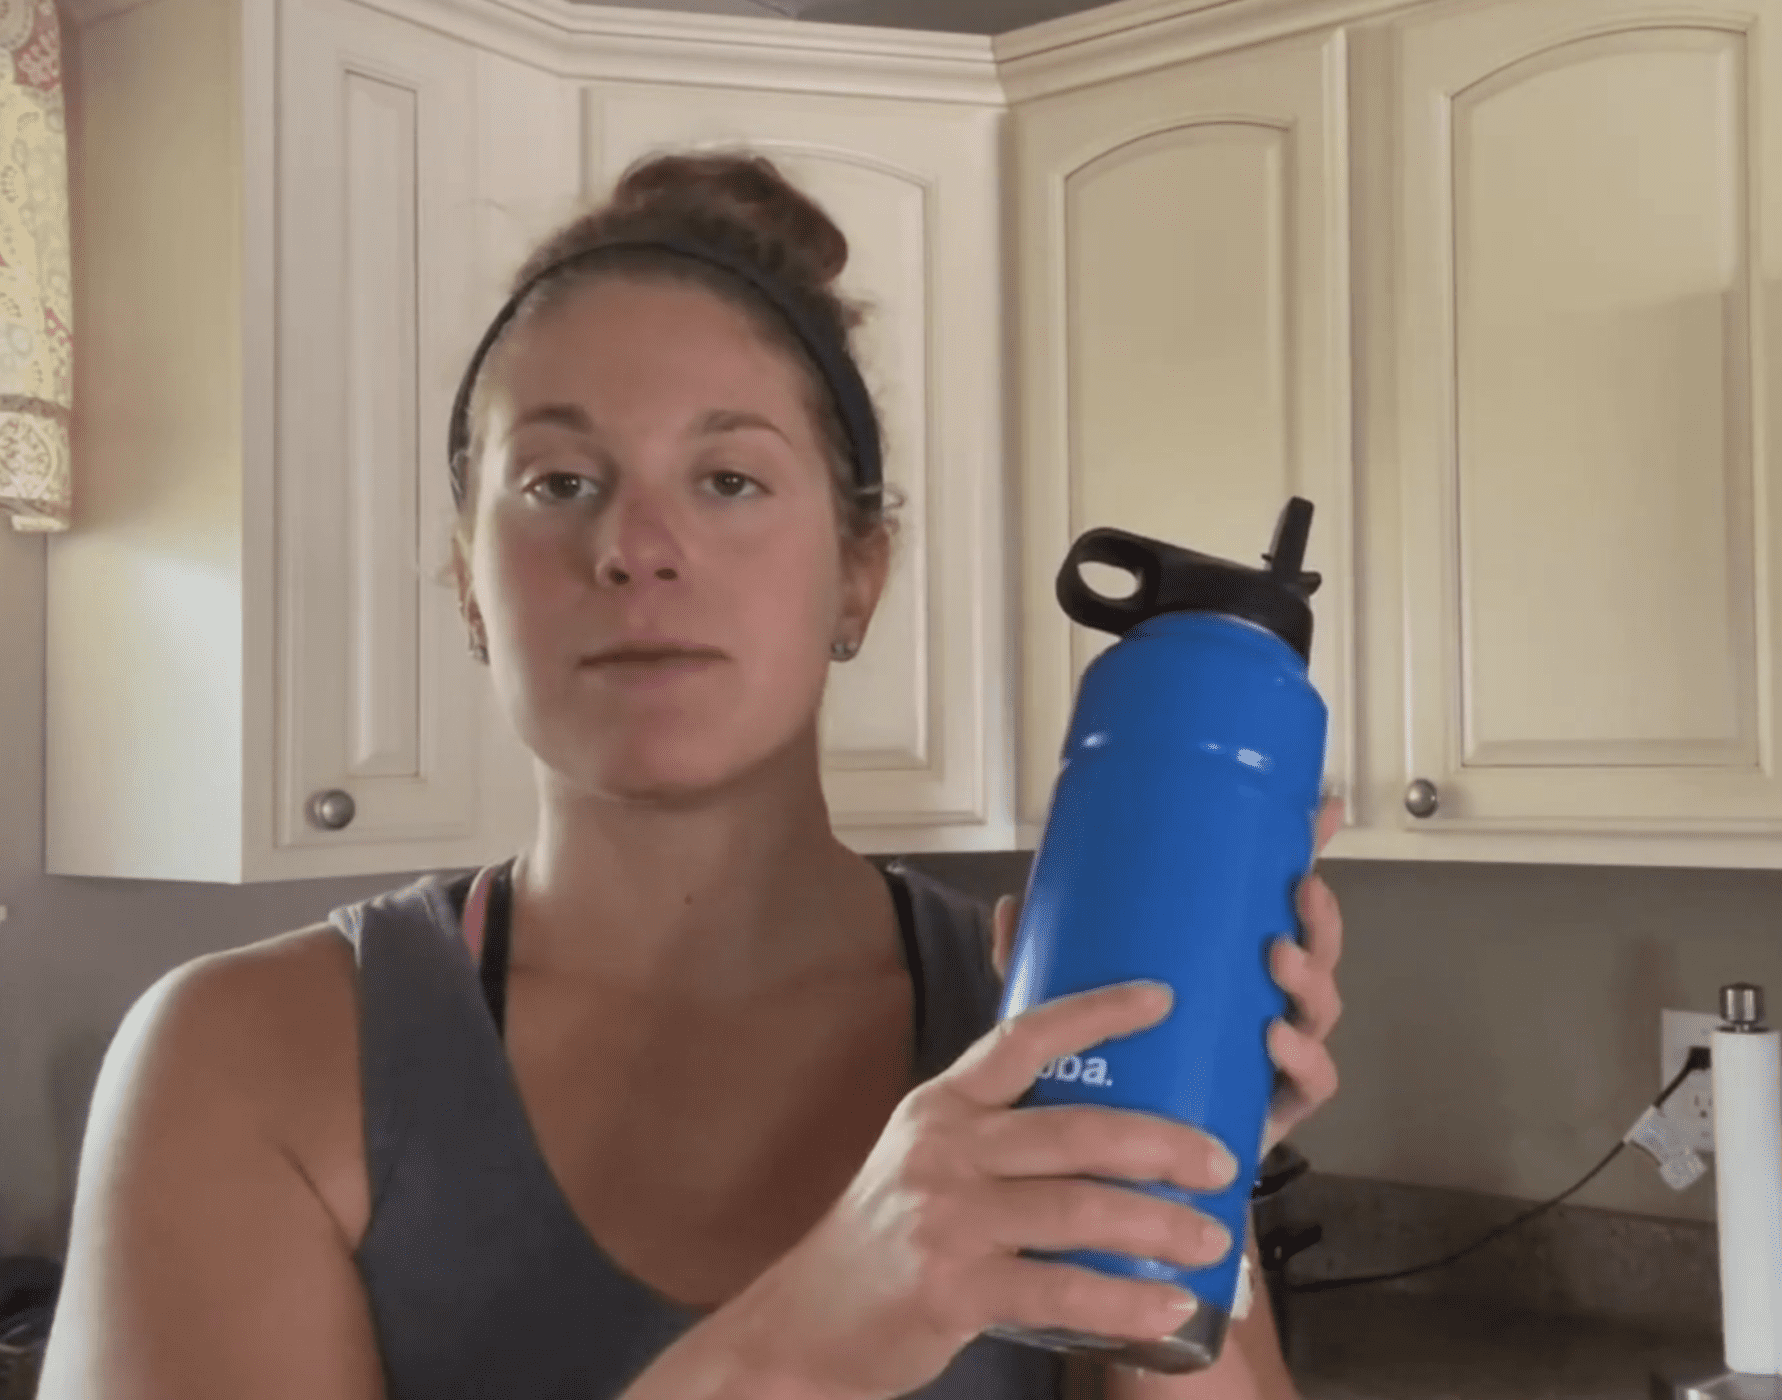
{"points": [[1421, 798], [331, 810]]}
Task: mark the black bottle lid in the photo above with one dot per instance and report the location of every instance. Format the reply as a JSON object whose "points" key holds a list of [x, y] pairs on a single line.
{"points": [[1173, 579]]}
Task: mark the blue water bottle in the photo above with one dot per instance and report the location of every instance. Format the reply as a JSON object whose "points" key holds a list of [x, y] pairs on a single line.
{"points": [[1181, 823]]}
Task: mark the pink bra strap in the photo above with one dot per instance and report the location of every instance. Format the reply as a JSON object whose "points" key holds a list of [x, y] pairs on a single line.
{"points": [[476, 909]]}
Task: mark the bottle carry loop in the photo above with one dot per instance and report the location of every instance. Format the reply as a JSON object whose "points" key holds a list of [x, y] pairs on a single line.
{"points": [[1173, 579]]}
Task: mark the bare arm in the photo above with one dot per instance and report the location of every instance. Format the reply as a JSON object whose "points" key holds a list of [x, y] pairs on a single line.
{"points": [[201, 1262]]}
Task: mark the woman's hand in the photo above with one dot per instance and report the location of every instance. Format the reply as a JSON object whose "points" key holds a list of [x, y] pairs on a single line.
{"points": [[921, 1253], [1308, 975]]}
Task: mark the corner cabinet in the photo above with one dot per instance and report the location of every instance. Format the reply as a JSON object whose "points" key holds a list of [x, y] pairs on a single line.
{"points": [[1183, 343], [913, 730], [898, 136], [300, 215]]}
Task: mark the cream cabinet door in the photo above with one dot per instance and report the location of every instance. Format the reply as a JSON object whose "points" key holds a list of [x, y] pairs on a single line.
{"points": [[912, 728], [376, 698], [1590, 498], [1182, 345]]}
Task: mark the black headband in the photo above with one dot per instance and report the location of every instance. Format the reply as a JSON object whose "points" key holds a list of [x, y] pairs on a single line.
{"points": [[832, 359]]}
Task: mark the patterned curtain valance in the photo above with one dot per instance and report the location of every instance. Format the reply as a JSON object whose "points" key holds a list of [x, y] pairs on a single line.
{"points": [[36, 345]]}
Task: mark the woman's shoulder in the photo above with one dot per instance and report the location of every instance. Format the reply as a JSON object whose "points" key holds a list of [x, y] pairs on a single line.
{"points": [[252, 1045], [288, 990], [220, 1143], [264, 1036], [250, 1002], [280, 1007]]}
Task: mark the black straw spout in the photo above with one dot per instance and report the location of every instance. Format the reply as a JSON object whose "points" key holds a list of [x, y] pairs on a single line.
{"points": [[1288, 551]]}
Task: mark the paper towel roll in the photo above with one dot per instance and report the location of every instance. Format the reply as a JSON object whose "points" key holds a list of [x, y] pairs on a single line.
{"points": [[1747, 1072]]}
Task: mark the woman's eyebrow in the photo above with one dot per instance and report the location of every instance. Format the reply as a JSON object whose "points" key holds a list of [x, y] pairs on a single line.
{"points": [[729, 420], [562, 415], [576, 419]]}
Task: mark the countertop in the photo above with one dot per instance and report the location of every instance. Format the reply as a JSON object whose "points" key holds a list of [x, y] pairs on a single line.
{"points": [[1375, 1344]]}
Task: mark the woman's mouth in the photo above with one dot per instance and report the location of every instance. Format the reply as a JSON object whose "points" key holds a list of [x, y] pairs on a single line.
{"points": [[649, 664]]}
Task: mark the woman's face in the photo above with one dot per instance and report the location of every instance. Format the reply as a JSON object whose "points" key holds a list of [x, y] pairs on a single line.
{"points": [[656, 557]]}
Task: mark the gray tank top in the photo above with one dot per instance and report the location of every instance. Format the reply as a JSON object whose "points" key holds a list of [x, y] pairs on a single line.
{"points": [[482, 1280]]}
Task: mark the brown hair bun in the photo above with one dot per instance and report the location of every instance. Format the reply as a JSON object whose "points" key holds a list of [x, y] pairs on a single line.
{"points": [[737, 193], [737, 201]]}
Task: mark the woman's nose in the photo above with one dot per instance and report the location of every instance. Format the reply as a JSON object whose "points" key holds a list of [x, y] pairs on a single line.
{"points": [[636, 540]]}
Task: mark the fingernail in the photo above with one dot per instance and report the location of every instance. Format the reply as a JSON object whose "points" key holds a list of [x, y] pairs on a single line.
{"points": [[1225, 1167], [1186, 1304], [1169, 992]]}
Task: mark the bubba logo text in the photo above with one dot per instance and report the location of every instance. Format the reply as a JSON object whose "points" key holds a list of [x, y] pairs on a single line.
{"points": [[1067, 1068]]}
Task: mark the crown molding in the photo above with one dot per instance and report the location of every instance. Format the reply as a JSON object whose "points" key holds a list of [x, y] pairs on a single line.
{"points": [[594, 43], [1136, 36]]}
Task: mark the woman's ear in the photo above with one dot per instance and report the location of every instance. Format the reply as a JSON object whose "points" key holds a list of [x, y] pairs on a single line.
{"points": [[467, 608], [866, 564], [460, 566], [1002, 933]]}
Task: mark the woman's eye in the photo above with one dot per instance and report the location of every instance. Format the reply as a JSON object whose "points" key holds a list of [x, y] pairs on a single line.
{"points": [[562, 486], [732, 484]]}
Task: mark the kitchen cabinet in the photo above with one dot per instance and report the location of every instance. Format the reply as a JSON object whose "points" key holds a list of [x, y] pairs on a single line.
{"points": [[1491, 281], [898, 137], [1183, 344], [1571, 450], [300, 215], [914, 738], [377, 701], [252, 671]]}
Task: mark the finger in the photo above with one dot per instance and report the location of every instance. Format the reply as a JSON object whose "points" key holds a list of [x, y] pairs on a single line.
{"points": [[1059, 1214], [1002, 933], [1317, 1004], [1072, 1140], [1036, 1295], [1002, 1064], [1311, 1073], [1307, 1080], [1321, 918], [1330, 821]]}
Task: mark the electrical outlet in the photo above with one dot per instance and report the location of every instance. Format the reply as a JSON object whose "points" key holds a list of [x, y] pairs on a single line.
{"points": [[1691, 1108]]}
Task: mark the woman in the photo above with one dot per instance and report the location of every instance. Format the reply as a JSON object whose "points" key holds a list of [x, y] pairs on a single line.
{"points": [[687, 1100]]}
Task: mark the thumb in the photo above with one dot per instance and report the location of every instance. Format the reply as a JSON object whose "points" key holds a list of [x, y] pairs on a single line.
{"points": [[1002, 932]]}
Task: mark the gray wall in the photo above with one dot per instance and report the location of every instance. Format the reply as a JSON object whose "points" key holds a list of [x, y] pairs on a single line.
{"points": [[1502, 1023]]}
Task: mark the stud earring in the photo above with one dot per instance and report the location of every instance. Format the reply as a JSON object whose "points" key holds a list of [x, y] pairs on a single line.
{"points": [[843, 650], [479, 649]]}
